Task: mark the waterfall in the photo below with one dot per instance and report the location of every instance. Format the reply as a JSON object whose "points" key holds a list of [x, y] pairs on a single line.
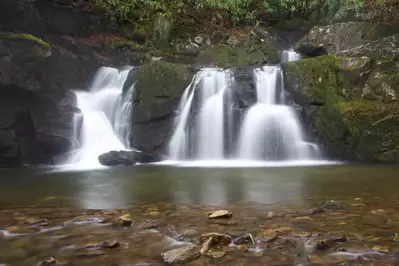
{"points": [[272, 131], [106, 112], [289, 56], [208, 88]]}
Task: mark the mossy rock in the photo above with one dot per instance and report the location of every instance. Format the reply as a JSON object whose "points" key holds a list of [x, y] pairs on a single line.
{"points": [[30, 45], [339, 37], [25, 37], [224, 56], [158, 89], [351, 125]]}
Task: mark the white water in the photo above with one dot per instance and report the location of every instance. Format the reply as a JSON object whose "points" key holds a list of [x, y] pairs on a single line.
{"points": [[210, 127], [289, 56], [106, 118], [209, 85], [271, 131]]}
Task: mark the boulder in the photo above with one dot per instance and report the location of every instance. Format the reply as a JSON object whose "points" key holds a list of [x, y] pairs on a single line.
{"points": [[156, 96], [335, 38], [181, 255], [387, 48], [114, 158], [350, 103]]}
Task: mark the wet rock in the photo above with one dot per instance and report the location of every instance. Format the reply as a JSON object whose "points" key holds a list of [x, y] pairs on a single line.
{"points": [[49, 261], [220, 214], [181, 255], [148, 224], [243, 248], [331, 205], [124, 220], [244, 239], [270, 235], [190, 233], [329, 242], [109, 244], [314, 211], [206, 245], [217, 239], [382, 249]]}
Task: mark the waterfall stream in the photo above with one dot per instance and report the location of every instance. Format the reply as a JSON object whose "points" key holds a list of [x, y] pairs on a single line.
{"points": [[270, 130], [106, 112]]}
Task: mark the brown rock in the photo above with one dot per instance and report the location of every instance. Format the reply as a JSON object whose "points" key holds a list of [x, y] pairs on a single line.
{"points": [[181, 255], [124, 220], [109, 244], [217, 239], [220, 214]]}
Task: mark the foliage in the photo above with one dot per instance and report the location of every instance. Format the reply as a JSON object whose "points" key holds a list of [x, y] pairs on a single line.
{"points": [[384, 10], [238, 11]]}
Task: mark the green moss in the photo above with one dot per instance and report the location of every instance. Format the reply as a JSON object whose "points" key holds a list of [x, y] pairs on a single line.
{"points": [[123, 43], [226, 56], [158, 89], [25, 36], [358, 128]]}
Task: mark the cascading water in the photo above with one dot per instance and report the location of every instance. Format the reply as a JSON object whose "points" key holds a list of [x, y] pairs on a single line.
{"points": [[270, 130], [210, 85], [106, 112], [289, 56]]}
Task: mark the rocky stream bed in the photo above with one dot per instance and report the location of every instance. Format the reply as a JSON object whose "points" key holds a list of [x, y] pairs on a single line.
{"points": [[350, 231]]}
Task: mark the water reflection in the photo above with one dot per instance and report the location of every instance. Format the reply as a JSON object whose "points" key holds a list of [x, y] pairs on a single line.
{"points": [[124, 186]]}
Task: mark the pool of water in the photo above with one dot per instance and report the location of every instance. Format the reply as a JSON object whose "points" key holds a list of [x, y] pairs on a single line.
{"points": [[122, 186]]}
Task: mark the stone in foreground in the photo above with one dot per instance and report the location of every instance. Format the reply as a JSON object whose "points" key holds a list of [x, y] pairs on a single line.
{"points": [[220, 214], [181, 255]]}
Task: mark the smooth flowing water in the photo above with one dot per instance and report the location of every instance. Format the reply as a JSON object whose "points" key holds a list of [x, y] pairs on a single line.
{"points": [[271, 130], [106, 112], [207, 91]]}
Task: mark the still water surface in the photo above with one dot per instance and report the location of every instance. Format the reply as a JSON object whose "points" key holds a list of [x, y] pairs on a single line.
{"points": [[122, 186]]}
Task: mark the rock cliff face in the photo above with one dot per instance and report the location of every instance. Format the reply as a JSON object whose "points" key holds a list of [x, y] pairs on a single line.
{"points": [[349, 97], [34, 126]]}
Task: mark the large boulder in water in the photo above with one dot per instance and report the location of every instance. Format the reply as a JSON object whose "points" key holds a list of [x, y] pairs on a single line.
{"points": [[157, 93], [35, 126], [335, 38], [351, 103], [114, 158]]}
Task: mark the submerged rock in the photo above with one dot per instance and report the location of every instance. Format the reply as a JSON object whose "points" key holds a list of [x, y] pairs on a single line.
{"points": [[124, 220], [181, 255]]}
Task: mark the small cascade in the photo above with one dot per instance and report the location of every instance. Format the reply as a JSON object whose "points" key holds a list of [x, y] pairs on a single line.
{"points": [[208, 88], [270, 129], [211, 117], [106, 112], [289, 56]]}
